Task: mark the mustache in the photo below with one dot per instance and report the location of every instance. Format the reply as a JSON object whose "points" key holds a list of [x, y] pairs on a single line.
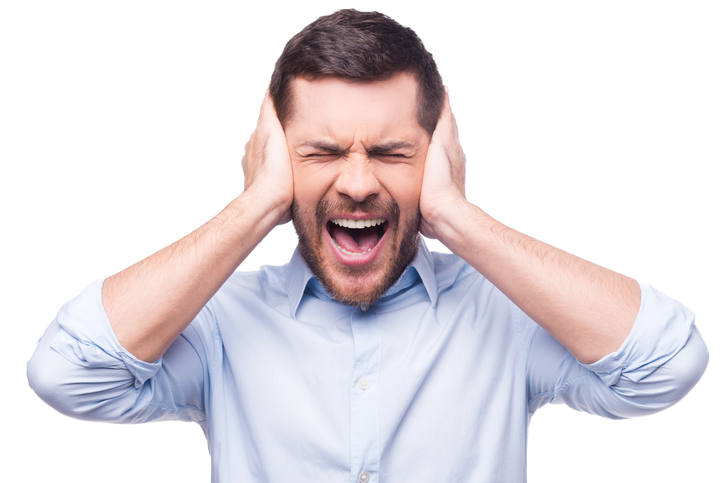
{"points": [[327, 207]]}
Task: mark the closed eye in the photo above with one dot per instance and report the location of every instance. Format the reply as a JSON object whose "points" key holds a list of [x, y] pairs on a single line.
{"points": [[320, 155], [388, 155]]}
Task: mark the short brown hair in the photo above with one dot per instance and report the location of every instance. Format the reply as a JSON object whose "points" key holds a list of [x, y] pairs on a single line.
{"points": [[358, 47]]}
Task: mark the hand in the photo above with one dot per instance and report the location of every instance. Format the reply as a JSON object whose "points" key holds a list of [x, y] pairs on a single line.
{"points": [[443, 183], [266, 164]]}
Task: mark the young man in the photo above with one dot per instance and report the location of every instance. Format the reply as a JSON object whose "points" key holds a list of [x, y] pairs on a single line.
{"points": [[366, 358]]}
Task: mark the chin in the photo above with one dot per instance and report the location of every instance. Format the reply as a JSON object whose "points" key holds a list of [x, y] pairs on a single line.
{"points": [[361, 287], [360, 284], [358, 290]]}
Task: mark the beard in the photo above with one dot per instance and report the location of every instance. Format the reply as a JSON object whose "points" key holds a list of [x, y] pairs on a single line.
{"points": [[359, 286]]}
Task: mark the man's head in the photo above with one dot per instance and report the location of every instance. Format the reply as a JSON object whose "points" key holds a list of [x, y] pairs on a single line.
{"points": [[359, 98], [358, 47]]}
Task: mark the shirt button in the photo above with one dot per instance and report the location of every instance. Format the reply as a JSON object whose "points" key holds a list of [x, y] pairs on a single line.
{"points": [[364, 383], [363, 477]]}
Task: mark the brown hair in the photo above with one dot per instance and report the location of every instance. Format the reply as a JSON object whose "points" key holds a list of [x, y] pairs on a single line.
{"points": [[358, 47]]}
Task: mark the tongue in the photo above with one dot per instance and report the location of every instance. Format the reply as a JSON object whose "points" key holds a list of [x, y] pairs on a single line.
{"points": [[366, 238]]}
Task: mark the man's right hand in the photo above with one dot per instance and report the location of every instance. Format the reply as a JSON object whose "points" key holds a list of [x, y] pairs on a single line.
{"points": [[266, 164], [150, 303]]}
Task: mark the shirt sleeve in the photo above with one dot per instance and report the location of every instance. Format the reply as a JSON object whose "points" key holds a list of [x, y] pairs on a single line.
{"points": [[662, 358], [80, 368]]}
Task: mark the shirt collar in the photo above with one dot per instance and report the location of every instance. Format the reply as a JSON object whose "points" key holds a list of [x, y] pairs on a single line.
{"points": [[299, 275]]}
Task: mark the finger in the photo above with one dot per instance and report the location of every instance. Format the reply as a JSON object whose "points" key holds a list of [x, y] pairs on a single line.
{"points": [[268, 112], [446, 125], [450, 117]]}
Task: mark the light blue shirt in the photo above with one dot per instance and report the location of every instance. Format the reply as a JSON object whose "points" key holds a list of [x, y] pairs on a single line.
{"points": [[437, 381]]}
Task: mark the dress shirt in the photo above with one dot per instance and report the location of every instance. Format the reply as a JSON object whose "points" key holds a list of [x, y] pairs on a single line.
{"points": [[436, 382]]}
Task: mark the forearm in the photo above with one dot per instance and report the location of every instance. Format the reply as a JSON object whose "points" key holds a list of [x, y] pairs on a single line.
{"points": [[588, 308], [150, 303]]}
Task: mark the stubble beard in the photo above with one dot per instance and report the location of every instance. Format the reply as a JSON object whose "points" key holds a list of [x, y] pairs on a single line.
{"points": [[311, 232]]}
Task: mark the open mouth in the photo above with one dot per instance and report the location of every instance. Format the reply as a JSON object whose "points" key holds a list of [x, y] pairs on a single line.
{"points": [[357, 237]]}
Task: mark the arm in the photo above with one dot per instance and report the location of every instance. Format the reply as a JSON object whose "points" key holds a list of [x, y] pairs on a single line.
{"points": [[150, 303], [587, 308], [100, 358]]}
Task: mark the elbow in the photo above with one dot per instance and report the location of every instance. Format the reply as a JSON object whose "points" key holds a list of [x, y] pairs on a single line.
{"points": [[71, 392], [89, 393], [670, 382], [686, 368], [39, 379], [47, 378], [43, 370]]}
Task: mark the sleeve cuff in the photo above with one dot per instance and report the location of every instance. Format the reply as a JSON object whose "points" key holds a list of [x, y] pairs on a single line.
{"points": [[87, 339], [661, 329]]}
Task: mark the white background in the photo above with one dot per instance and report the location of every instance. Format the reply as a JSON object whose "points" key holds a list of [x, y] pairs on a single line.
{"points": [[595, 126]]}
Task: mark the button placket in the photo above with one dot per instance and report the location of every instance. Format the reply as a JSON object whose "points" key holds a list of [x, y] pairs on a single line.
{"points": [[364, 413]]}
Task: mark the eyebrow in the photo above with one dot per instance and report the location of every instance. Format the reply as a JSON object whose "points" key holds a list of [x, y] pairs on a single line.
{"points": [[389, 146], [375, 148], [324, 146]]}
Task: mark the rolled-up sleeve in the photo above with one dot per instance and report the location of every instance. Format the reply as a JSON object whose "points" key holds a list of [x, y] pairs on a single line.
{"points": [[80, 369], [660, 361]]}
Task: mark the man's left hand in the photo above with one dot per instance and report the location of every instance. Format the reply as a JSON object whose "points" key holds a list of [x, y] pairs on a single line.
{"points": [[443, 184], [589, 309]]}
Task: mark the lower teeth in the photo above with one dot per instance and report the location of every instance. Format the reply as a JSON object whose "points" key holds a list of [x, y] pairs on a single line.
{"points": [[349, 252]]}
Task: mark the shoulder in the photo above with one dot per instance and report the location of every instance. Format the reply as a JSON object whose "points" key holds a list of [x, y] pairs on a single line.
{"points": [[263, 283], [464, 286], [451, 270], [267, 275]]}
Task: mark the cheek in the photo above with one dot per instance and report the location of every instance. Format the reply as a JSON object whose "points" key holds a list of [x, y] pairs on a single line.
{"points": [[310, 182], [404, 186], [409, 200]]}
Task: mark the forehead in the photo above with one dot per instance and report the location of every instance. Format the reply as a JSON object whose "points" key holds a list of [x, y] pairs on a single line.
{"points": [[332, 107]]}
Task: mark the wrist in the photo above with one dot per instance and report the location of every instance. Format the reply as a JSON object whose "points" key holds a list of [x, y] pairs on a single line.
{"points": [[264, 207], [446, 220], [466, 229], [245, 221]]}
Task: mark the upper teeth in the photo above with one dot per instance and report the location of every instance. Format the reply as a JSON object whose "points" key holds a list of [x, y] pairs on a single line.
{"points": [[347, 223]]}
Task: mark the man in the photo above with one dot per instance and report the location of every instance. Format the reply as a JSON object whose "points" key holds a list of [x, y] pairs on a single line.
{"points": [[366, 358]]}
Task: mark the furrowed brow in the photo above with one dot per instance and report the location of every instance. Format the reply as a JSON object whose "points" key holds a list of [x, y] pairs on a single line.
{"points": [[390, 146], [325, 146]]}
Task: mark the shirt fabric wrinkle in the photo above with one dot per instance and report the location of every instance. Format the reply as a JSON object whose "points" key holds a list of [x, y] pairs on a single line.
{"points": [[290, 385]]}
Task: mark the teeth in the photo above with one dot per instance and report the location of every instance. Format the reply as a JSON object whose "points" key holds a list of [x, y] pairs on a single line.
{"points": [[349, 252], [348, 223]]}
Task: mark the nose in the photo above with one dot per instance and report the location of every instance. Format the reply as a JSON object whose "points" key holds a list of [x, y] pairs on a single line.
{"points": [[357, 178]]}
